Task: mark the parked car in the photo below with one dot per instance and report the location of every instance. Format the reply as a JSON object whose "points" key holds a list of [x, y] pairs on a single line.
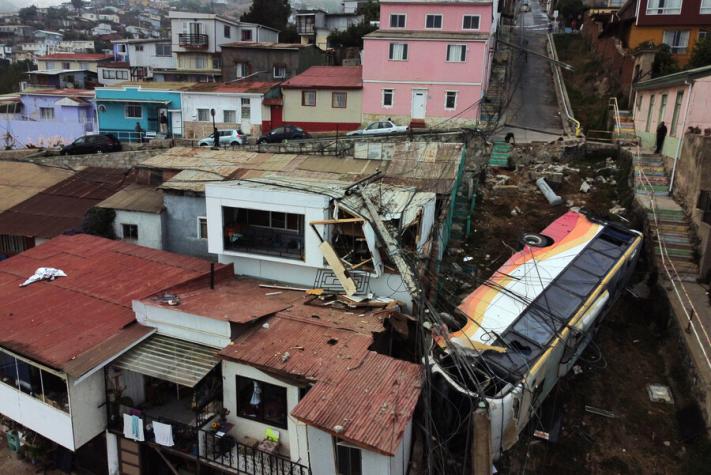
{"points": [[92, 144], [283, 133], [227, 137], [380, 128]]}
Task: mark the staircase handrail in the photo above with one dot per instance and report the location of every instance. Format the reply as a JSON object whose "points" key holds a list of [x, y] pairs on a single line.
{"points": [[612, 103]]}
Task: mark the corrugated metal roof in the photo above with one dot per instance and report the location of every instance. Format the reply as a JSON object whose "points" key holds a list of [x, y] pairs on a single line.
{"points": [[170, 359], [249, 87], [20, 181], [371, 403], [77, 56], [146, 199], [55, 322], [327, 77], [62, 207]]}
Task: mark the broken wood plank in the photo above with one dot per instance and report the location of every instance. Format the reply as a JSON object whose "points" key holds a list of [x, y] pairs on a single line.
{"points": [[337, 221], [341, 274], [600, 412], [283, 287]]}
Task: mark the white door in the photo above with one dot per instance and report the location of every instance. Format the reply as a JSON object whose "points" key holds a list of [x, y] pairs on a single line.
{"points": [[419, 103], [176, 123]]}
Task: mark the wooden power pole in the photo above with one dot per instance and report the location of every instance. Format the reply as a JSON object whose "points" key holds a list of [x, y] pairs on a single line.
{"points": [[480, 452]]}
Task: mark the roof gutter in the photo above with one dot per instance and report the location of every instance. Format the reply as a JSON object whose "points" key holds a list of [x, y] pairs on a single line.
{"points": [[681, 136]]}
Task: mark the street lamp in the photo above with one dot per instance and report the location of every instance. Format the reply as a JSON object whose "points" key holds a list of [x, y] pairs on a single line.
{"points": [[215, 135]]}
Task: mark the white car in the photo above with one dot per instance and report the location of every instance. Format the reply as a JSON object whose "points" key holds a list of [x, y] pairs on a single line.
{"points": [[380, 128], [227, 137]]}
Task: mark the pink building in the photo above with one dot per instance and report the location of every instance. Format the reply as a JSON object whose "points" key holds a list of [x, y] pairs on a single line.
{"points": [[429, 61]]}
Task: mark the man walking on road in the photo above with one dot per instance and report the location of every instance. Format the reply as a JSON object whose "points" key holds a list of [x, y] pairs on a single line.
{"points": [[661, 135]]}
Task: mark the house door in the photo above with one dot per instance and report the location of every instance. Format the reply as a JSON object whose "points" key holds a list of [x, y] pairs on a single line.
{"points": [[277, 119], [419, 103], [176, 123]]}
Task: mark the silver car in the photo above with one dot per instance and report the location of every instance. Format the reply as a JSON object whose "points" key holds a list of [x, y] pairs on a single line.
{"points": [[227, 137], [380, 128]]}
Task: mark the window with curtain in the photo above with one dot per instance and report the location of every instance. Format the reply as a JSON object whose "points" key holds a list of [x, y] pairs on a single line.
{"points": [[398, 51], [456, 53], [678, 41], [338, 100], [203, 115], [261, 402], [308, 98], [241, 70], [229, 116], [664, 7]]}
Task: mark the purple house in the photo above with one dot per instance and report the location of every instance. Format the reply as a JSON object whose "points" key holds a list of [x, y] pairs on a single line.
{"points": [[50, 117]]}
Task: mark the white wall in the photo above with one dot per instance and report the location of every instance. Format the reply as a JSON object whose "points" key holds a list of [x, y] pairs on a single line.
{"points": [[32, 413], [293, 440], [86, 400], [150, 227], [323, 459], [183, 326], [148, 58], [191, 102]]}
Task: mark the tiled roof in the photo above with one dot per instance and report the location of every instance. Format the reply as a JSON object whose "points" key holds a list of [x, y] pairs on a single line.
{"points": [[327, 77], [54, 322]]}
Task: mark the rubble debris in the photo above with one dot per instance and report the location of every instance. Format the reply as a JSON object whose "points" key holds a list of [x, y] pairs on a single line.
{"points": [[577, 369], [548, 192], [617, 210], [660, 393], [585, 187], [285, 357], [541, 434], [43, 273], [600, 412]]}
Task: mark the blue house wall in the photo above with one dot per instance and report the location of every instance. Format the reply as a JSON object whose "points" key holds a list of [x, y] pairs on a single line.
{"points": [[112, 115]]}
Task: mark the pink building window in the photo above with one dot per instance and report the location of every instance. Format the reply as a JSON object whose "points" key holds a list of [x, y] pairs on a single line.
{"points": [[398, 51], [397, 20], [470, 22], [456, 53], [388, 97], [450, 100], [433, 22]]}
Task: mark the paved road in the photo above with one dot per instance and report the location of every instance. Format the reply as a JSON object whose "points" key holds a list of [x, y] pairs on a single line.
{"points": [[533, 106]]}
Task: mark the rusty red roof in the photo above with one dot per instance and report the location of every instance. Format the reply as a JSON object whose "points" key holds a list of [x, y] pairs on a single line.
{"points": [[62, 207], [56, 322], [327, 77], [59, 92], [370, 405], [77, 56]]}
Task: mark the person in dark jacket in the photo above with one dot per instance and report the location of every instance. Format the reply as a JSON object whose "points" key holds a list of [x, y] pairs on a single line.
{"points": [[661, 135]]}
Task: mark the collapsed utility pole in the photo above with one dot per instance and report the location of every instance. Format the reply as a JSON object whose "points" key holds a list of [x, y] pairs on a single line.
{"points": [[480, 451]]}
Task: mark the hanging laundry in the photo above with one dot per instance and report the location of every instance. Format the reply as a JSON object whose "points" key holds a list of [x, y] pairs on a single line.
{"points": [[163, 434], [133, 428]]}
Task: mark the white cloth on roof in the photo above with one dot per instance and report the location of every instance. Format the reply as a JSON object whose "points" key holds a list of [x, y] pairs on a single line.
{"points": [[43, 273], [163, 434], [133, 428]]}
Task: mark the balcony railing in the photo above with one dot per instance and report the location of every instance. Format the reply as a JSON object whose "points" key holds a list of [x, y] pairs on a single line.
{"points": [[227, 452], [193, 40], [307, 29]]}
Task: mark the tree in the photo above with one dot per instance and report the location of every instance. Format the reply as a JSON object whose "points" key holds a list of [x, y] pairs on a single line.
{"points": [[701, 54], [351, 37], [28, 14], [370, 10], [570, 9], [77, 4], [272, 13], [664, 63]]}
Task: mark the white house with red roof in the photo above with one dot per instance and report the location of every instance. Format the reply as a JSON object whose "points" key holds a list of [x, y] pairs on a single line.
{"points": [[324, 98]]}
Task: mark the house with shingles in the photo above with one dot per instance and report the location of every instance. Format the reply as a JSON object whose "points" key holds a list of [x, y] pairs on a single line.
{"points": [[324, 98], [429, 62], [237, 105], [139, 215], [197, 40], [52, 381], [57, 209], [269, 61], [122, 106], [265, 384], [50, 117]]}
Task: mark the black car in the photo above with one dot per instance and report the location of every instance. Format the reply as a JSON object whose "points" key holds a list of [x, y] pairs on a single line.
{"points": [[285, 132], [92, 144]]}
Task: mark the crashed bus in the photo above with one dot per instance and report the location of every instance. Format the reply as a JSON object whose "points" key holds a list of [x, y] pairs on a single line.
{"points": [[525, 327]]}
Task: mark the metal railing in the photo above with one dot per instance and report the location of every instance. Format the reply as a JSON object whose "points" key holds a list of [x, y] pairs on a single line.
{"points": [[227, 452], [193, 40], [615, 108], [561, 90]]}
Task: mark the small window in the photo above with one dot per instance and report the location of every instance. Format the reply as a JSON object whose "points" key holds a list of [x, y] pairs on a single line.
{"points": [[203, 115], [133, 111], [261, 402], [8, 370], [245, 108], [397, 20], [388, 97], [470, 22], [308, 98], [704, 34], [229, 117], [678, 41], [29, 379], [348, 459], [139, 47], [228, 31], [66, 66], [450, 100], [202, 227], [456, 53], [130, 231], [216, 62], [279, 71], [398, 51], [339, 100], [122, 75], [163, 49], [433, 21], [200, 62], [246, 35], [47, 113], [241, 70]]}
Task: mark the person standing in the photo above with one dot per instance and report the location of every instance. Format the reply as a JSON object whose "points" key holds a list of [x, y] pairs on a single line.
{"points": [[163, 123], [661, 135], [139, 132]]}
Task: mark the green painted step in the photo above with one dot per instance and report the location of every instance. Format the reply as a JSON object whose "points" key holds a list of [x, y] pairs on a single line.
{"points": [[687, 253]]}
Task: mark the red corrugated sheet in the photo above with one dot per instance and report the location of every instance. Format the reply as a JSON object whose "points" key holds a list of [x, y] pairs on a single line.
{"points": [[327, 77], [62, 207], [77, 56], [53, 322], [369, 405]]}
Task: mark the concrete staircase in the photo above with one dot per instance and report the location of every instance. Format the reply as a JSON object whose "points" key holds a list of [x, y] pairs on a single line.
{"points": [[672, 222], [624, 131]]}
